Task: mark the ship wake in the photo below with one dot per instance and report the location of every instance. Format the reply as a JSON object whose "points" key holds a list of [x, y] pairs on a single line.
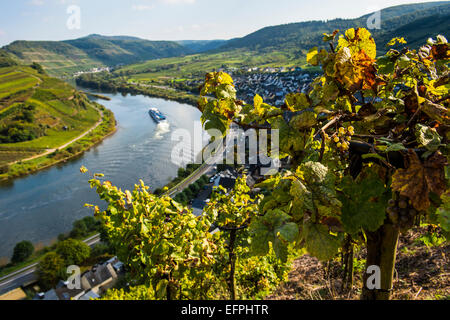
{"points": [[162, 128]]}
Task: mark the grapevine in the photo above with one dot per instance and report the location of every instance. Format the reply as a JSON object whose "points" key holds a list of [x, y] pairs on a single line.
{"points": [[368, 160]]}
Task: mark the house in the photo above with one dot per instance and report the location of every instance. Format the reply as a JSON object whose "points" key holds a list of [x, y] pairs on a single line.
{"points": [[99, 279]]}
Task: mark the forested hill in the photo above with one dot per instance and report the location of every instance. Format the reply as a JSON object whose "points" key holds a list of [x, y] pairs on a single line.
{"points": [[415, 22], [59, 57], [125, 50]]}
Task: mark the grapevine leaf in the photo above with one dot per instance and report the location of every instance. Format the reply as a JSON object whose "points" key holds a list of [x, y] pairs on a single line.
{"points": [[304, 121], [385, 65], [281, 250], [319, 242], [161, 289], [364, 202], [266, 229], [313, 56], [417, 181], [297, 101], [288, 232], [395, 147], [396, 40], [261, 238], [359, 40], [258, 101]]}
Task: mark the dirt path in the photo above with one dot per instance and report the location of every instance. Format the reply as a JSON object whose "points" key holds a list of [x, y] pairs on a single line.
{"points": [[50, 151]]}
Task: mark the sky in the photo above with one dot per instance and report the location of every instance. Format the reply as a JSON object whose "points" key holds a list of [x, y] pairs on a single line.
{"points": [[167, 19]]}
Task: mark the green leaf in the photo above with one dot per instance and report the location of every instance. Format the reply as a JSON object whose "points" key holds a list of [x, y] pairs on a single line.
{"points": [[305, 120], [385, 65], [363, 203], [395, 147], [297, 101], [319, 242], [161, 289], [281, 250], [288, 232]]}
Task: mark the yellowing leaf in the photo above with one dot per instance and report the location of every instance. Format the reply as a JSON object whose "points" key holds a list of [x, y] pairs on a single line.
{"points": [[359, 40], [418, 180], [312, 56], [394, 41], [258, 101]]}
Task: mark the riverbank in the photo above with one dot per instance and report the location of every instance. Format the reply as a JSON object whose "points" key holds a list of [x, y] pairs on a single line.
{"points": [[114, 86], [63, 154]]}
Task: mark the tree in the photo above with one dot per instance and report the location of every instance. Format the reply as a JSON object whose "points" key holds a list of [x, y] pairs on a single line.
{"points": [[22, 251], [51, 269], [367, 146], [73, 251], [91, 223], [79, 229]]}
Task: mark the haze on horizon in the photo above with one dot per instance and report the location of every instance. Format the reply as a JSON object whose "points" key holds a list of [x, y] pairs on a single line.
{"points": [[170, 19]]}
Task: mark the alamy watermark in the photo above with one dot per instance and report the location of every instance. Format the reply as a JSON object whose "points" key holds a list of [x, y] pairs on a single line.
{"points": [[374, 20], [74, 20], [74, 280], [250, 147], [374, 280]]}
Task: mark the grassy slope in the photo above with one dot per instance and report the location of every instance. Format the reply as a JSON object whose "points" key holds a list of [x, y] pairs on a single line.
{"points": [[56, 57], [57, 105]]}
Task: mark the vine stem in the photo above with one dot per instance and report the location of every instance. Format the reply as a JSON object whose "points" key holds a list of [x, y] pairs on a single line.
{"points": [[328, 125], [232, 258]]}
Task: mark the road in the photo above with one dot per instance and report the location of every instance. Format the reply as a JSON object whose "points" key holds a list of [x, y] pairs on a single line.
{"points": [[204, 169], [28, 274]]}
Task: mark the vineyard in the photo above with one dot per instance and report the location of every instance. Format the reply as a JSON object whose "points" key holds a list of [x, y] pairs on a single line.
{"points": [[38, 113], [368, 163]]}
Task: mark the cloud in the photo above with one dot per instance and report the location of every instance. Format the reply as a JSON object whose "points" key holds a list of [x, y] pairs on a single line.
{"points": [[142, 7]]}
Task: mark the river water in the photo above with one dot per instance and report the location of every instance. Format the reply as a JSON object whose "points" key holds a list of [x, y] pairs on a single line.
{"points": [[41, 206]]}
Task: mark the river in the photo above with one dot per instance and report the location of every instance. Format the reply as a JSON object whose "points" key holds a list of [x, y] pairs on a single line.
{"points": [[41, 206]]}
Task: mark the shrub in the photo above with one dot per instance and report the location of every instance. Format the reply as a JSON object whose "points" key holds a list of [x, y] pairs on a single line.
{"points": [[22, 251]]}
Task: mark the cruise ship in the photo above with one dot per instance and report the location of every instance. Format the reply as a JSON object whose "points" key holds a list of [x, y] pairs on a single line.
{"points": [[157, 115]]}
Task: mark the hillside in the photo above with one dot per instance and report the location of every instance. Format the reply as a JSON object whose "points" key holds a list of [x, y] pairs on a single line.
{"points": [[57, 57], [412, 21], [199, 46], [67, 57], [38, 113], [125, 50]]}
